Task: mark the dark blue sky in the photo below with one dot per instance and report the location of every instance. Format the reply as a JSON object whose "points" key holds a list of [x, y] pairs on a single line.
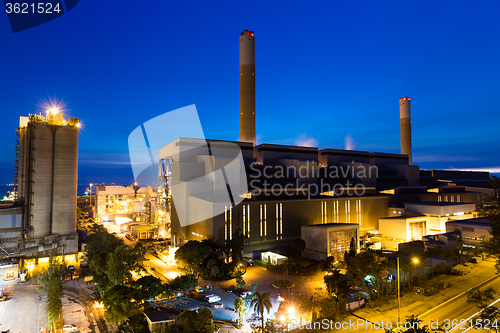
{"points": [[326, 70]]}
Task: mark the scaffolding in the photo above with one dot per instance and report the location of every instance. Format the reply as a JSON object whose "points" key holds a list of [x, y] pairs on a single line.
{"points": [[16, 163]]}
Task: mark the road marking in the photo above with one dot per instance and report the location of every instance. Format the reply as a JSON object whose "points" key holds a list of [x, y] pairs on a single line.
{"points": [[462, 293], [475, 314]]}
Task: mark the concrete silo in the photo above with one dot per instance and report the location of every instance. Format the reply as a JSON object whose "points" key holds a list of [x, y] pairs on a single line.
{"points": [[47, 182]]}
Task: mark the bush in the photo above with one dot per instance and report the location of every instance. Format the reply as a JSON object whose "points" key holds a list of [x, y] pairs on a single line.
{"points": [[283, 283]]}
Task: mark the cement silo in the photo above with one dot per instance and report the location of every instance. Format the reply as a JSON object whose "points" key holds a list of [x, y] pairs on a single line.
{"points": [[65, 179], [405, 120], [247, 87], [48, 169]]}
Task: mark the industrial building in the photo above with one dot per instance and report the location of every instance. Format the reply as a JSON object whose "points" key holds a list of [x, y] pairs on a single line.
{"points": [[120, 204], [288, 190], [43, 217], [329, 240]]}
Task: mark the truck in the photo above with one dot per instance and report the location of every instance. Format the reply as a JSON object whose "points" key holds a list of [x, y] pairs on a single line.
{"points": [[212, 298]]}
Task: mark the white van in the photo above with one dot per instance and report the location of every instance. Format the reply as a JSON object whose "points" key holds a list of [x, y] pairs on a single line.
{"points": [[212, 298]]}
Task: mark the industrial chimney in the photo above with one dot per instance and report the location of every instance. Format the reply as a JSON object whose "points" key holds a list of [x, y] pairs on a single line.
{"points": [[405, 118], [247, 87]]}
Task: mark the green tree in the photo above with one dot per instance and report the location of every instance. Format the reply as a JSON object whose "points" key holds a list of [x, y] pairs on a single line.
{"points": [[298, 246], [100, 243], [122, 302], [194, 322], [240, 283], [482, 299], [51, 285], [239, 307], [235, 246], [183, 283], [149, 287], [121, 263], [336, 284], [260, 304], [190, 256], [491, 210]]}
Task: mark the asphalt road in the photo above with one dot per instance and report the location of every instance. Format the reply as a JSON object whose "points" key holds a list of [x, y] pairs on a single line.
{"points": [[455, 310]]}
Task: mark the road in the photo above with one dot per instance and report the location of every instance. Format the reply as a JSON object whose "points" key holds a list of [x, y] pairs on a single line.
{"points": [[455, 309]]}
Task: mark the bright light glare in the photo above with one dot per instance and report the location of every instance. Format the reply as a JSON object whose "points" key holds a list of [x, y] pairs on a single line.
{"points": [[78, 125], [291, 310], [282, 318], [415, 261]]}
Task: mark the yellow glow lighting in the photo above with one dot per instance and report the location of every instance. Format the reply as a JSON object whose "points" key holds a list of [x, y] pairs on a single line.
{"points": [[415, 261], [78, 125]]}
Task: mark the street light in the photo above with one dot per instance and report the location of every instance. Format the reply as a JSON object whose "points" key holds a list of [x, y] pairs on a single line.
{"points": [[415, 261], [399, 294]]}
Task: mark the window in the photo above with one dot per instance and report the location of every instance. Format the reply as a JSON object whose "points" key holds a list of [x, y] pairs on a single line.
{"points": [[336, 211], [358, 211], [260, 208], [439, 198], [458, 198], [324, 214], [340, 241], [230, 223], [347, 211], [248, 220], [225, 222], [279, 221]]}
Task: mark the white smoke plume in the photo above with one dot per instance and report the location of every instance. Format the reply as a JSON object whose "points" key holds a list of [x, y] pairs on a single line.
{"points": [[304, 141], [349, 142]]}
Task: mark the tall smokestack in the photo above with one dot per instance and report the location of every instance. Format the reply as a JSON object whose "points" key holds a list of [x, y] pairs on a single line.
{"points": [[405, 118], [247, 87]]}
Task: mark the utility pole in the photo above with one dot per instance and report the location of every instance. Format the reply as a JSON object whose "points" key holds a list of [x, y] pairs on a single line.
{"points": [[399, 295]]}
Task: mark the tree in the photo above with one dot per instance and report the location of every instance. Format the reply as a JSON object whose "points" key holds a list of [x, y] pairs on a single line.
{"points": [[51, 285], [122, 302], [491, 210], [149, 287], [336, 284], [100, 243], [191, 256], [234, 247], [298, 246], [482, 299], [239, 306], [182, 283], [194, 322], [261, 303], [240, 283]]}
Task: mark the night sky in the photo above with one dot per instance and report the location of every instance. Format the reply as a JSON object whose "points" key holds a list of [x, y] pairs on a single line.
{"points": [[327, 73]]}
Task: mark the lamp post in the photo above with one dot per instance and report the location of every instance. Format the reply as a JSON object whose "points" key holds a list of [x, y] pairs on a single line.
{"points": [[415, 261], [90, 185], [399, 294]]}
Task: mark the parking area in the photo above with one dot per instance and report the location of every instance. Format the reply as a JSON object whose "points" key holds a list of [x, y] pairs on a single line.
{"points": [[225, 314], [24, 309]]}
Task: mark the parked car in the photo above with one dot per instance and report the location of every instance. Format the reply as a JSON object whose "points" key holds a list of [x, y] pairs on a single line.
{"points": [[212, 298], [217, 305], [245, 294], [69, 328], [75, 275], [249, 261], [230, 289], [199, 289]]}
